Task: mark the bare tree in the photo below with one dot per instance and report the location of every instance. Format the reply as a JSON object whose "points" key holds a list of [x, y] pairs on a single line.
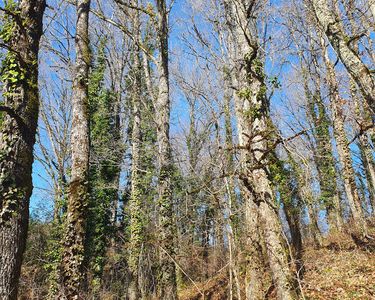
{"points": [[256, 133], [167, 284], [333, 28], [73, 244], [342, 146], [136, 202]]}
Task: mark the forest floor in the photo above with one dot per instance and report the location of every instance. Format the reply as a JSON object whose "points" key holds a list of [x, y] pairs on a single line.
{"points": [[340, 269], [343, 268]]}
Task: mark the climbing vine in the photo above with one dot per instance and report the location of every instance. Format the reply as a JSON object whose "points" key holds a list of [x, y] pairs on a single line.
{"points": [[104, 166], [324, 158], [11, 72]]}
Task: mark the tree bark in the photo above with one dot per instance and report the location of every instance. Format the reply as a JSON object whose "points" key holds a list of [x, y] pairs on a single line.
{"points": [[75, 231], [167, 283], [372, 9], [255, 131], [341, 43], [18, 124], [292, 215], [136, 203], [369, 165], [314, 222], [322, 152], [365, 147], [342, 146], [230, 186], [255, 262]]}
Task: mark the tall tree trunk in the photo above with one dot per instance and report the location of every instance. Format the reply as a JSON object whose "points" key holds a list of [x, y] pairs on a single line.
{"points": [[255, 266], [341, 43], [230, 187], [364, 144], [18, 124], [293, 219], [74, 239], [290, 189], [314, 221], [342, 146], [255, 262], [105, 158], [255, 131], [136, 203], [369, 165], [167, 283], [323, 152]]}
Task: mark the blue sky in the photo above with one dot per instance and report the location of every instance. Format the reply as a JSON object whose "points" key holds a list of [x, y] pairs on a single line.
{"points": [[42, 195]]}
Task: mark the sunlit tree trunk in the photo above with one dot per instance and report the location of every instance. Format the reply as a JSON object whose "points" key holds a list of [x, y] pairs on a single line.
{"points": [[368, 163], [105, 157], [372, 8], [314, 221], [341, 43], [342, 146], [255, 262], [322, 149], [167, 278], [19, 108], [136, 203], [230, 187], [255, 268], [365, 147], [256, 132], [75, 227], [290, 189]]}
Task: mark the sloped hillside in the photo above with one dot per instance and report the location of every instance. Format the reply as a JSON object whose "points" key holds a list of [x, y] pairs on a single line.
{"points": [[341, 269]]}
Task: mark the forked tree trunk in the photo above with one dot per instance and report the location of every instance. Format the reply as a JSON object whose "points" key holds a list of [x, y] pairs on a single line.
{"points": [[255, 266], [73, 242], [18, 124], [256, 132]]}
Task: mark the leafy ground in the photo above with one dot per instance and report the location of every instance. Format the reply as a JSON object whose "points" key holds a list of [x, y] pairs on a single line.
{"points": [[340, 270]]}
